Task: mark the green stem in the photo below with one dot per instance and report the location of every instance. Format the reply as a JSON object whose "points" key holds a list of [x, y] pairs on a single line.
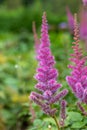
{"points": [[63, 128], [56, 122]]}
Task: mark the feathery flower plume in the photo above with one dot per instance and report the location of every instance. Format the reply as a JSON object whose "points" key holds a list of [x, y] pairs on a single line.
{"points": [[46, 75], [84, 2], [83, 25], [78, 79], [70, 20], [63, 112], [36, 39]]}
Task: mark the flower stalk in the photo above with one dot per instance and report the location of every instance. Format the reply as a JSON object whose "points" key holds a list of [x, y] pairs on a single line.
{"points": [[57, 123], [46, 76]]}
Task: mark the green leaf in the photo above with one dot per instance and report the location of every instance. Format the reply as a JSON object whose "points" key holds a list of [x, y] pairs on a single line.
{"points": [[38, 123], [74, 116], [50, 120], [85, 120], [67, 122], [78, 125]]}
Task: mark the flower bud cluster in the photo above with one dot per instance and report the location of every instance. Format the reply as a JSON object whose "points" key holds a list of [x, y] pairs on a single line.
{"points": [[84, 2]]}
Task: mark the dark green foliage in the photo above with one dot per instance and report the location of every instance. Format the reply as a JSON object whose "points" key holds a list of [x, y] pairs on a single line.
{"points": [[17, 20]]}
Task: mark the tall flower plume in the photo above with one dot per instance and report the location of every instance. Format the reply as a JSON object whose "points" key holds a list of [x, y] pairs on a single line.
{"points": [[70, 20], [83, 25], [63, 112], [46, 75], [84, 2], [78, 79]]}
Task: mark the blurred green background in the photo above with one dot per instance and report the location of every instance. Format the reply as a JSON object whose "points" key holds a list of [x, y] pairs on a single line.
{"points": [[18, 63]]}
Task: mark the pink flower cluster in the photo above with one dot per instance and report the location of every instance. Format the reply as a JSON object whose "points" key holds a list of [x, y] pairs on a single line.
{"points": [[46, 75], [83, 23], [70, 20], [84, 2], [63, 112], [78, 78]]}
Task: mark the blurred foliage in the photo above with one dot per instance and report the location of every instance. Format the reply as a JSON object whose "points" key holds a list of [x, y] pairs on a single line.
{"points": [[20, 19], [60, 5]]}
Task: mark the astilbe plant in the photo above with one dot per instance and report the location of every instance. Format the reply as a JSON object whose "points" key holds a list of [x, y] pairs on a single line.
{"points": [[82, 22], [78, 78], [46, 76]]}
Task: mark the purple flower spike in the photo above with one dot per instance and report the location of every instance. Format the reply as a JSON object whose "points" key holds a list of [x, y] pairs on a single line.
{"points": [[84, 2], [70, 20], [78, 79], [85, 96], [79, 90], [83, 25], [46, 75], [63, 112]]}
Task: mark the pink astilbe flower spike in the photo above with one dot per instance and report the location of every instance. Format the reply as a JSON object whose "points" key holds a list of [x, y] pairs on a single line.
{"points": [[83, 24], [46, 75], [84, 2], [70, 20], [78, 79], [63, 112], [36, 39]]}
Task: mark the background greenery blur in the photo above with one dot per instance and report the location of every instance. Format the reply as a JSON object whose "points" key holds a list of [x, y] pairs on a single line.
{"points": [[18, 63]]}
